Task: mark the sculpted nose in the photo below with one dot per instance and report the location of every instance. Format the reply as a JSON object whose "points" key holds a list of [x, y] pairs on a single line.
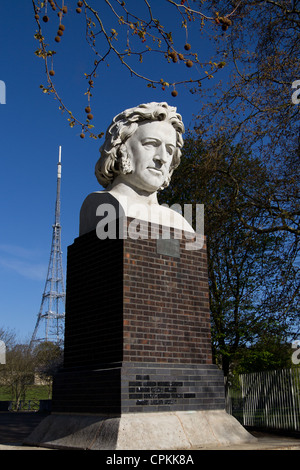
{"points": [[161, 154]]}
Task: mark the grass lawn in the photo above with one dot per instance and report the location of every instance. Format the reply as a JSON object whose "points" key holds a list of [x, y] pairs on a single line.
{"points": [[34, 392]]}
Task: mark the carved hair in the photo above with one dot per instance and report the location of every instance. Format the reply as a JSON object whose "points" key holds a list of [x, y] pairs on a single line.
{"points": [[114, 160]]}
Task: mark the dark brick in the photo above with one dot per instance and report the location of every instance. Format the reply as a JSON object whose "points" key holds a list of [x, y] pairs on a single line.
{"points": [[137, 330]]}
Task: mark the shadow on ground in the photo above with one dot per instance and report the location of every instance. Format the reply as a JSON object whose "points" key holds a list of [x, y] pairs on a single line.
{"points": [[15, 426]]}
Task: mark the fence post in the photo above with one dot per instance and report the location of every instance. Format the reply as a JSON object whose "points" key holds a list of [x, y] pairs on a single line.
{"points": [[265, 400], [293, 400], [241, 378]]}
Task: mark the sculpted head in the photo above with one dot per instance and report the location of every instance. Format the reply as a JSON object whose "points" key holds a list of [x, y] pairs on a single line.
{"points": [[142, 147]]}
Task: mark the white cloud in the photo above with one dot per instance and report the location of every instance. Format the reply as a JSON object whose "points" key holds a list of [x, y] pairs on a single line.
{"points": [[19, 251], [22, 261]]}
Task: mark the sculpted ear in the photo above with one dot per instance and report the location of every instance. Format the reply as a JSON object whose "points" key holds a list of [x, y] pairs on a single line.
{"points": [[125, 164]]}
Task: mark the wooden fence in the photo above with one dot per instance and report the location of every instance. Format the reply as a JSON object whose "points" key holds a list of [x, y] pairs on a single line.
{"points": [[267, 399]]}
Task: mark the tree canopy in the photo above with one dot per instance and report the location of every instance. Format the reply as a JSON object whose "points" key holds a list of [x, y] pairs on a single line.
{"points": [[253, 277], [256, 106], [129, 32]]}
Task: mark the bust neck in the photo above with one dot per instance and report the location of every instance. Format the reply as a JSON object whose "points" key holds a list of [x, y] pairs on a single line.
{"points": [[133, 194]]}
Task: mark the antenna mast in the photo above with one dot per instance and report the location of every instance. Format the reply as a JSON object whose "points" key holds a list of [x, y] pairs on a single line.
{"points": [[50, 321]]}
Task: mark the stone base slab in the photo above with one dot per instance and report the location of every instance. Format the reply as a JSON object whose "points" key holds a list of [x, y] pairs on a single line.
{"points": [[143, 431]]}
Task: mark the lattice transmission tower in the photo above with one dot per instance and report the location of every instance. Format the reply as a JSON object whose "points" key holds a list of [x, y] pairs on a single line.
{"points": [[51, 316]]}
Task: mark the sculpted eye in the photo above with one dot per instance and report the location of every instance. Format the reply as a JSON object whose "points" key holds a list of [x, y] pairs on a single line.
{"points": [[170, 149], [150, 143]]}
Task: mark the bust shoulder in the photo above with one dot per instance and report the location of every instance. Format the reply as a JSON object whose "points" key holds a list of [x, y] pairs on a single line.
{"points": [[122, 206]]}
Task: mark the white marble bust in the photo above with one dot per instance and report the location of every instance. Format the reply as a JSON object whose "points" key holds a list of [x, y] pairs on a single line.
{"points": [[142, 148]]}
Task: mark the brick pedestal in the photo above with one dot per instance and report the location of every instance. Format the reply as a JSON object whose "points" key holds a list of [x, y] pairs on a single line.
{"points": [[137, 332], [138, 370]]}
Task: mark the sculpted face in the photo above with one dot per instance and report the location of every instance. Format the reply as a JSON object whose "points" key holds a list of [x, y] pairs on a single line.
{"points": [[150, 150]]}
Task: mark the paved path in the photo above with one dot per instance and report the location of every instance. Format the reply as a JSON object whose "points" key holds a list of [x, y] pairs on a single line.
{"points": [[14, 427], [265, 442]]}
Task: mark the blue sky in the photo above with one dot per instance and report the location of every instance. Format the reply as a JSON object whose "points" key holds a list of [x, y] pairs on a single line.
{"points": [[32, 129]]}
